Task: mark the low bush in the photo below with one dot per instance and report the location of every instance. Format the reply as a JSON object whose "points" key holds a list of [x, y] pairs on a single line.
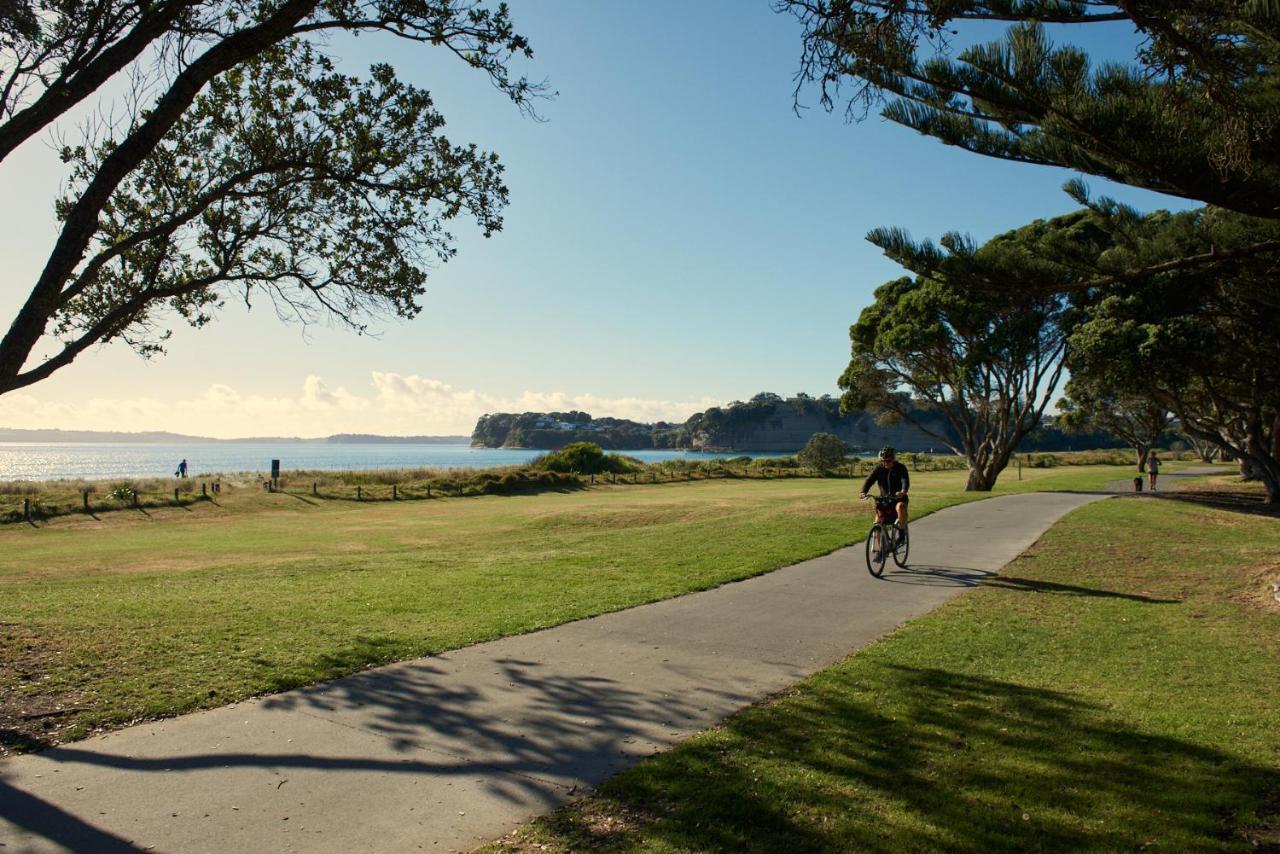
{"points": [[588, 458]]}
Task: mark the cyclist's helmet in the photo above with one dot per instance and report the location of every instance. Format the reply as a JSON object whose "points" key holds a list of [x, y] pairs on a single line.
{"points": [[887, 452]]}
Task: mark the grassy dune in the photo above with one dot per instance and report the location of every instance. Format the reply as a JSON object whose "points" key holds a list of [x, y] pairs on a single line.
{"points": [[137, 614]]}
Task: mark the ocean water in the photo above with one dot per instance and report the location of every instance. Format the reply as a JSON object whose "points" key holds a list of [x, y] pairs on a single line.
{"points": [[103, 461]]}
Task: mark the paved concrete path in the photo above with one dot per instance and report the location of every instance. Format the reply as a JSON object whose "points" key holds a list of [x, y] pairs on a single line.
{"points": [[451, 751]]}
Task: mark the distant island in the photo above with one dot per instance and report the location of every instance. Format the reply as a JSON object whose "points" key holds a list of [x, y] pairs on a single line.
{"points": [[161, 437], [767, 423]]}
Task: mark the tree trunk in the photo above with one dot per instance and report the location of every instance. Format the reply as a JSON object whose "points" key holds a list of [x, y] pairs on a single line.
{"points": [[979, 481], [1143, 452]]}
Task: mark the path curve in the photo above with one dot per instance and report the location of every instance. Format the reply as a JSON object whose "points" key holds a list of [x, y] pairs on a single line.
{"points": [[451, 751]]}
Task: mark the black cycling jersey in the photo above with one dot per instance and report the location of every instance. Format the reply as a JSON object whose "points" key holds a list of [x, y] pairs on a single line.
{"points": [[891, 479]]}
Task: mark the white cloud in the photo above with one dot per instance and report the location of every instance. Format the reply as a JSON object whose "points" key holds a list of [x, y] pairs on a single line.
{"points": [[395, 404]]}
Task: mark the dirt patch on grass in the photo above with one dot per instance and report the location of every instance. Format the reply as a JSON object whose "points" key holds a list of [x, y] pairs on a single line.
{"points": [[1262, 587], [31, 718], [1265, 835], [587, 825]]}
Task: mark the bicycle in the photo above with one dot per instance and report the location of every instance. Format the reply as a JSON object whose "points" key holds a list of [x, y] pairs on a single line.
{"points": [[884, 538]]}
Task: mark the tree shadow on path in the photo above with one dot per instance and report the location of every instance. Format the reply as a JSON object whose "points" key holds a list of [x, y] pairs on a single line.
{"points": [[529, 737]]}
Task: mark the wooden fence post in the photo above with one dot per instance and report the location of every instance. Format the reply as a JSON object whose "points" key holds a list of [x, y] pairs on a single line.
{"points": [[175, 496], [85, 495], [204, 490], [26, 509], [428, 490], [395, 494], [314, 488], [359, 497]]}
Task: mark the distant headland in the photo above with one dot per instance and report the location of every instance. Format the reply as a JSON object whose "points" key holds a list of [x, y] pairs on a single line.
{"points": [[767, 423]]}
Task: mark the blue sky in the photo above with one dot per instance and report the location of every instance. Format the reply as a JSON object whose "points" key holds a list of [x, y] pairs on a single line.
{"points": [[676, 237]]}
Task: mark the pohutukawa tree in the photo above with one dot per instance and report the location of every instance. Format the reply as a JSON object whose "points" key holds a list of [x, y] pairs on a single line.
{"points": [[245, 165], [989, 359], [1128, 412], [1205, 343]]}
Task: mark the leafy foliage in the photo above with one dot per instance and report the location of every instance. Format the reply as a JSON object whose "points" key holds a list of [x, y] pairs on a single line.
{"points": [[1131, 412], [823, 451], [245, 165], [1206, 344], [583, 458], [972, 334], [1194, 114]]}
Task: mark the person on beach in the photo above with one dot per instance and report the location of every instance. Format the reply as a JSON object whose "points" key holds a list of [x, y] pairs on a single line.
{"points": [[182, 468], [1153, 469]]}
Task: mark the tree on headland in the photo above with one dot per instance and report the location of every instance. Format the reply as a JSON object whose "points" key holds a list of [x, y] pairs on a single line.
{"points": [[244, 166], [823, 452], [988, 358]]}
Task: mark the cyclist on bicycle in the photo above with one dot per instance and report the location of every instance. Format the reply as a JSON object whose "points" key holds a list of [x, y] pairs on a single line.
{"points": [[893, 479]]}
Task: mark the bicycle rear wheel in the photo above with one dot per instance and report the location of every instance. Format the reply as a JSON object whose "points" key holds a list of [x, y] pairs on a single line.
{"points": [[900, 552], [877, 550]]}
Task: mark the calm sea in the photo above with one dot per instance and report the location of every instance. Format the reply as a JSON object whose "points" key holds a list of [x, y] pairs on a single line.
{"points": [[46, 461]]}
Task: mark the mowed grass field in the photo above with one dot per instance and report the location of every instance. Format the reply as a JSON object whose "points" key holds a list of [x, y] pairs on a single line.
{"points": [[1117, 688], [138, 615]]}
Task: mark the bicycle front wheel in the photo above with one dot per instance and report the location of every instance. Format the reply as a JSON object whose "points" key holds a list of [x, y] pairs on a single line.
{"points": [[900, 553], [877, 550]]}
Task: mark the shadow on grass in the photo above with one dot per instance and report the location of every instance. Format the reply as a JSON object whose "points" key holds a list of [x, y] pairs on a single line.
{"points": [[925, 759], [1010, 582], [956, 576], [1234, 501]]}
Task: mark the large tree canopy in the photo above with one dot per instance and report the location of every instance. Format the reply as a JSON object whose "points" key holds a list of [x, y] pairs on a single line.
{"points": [[1195, 114], [1204, 343], [988, 358], [244, 164]]}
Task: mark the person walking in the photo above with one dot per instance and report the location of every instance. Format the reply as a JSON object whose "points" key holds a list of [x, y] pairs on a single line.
{"points": [[1153, 469], [182, 468]]}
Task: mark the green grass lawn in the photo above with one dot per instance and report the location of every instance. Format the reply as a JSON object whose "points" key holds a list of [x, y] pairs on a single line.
{"points": [[1114, 689], [139, 615]]}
